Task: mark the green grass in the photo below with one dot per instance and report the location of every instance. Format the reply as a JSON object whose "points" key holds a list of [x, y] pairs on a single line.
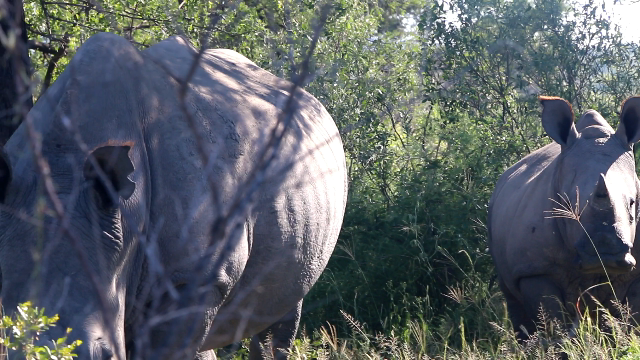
{"points": [[606, 338], [475, 327], [478, 328]]}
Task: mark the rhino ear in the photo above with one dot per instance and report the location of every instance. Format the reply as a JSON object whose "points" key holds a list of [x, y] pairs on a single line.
{"points": [[629, 128], [114, 163], [5, 174], [557, 120]]}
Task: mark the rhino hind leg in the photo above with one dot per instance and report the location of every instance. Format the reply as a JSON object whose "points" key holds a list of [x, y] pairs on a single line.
{"points": [[273, 341]]}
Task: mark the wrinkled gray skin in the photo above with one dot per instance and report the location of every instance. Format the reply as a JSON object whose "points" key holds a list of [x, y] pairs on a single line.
{"points": [[144, 183], [546, 259]]}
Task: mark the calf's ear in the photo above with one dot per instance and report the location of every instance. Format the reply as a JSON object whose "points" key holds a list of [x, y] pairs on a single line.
{"points": [[557, 120], [5, 174], [629, 128], [109, 167]]}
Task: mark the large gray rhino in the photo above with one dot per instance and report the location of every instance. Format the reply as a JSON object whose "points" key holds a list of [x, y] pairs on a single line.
{"points": [[128, 266], [565, 215]]}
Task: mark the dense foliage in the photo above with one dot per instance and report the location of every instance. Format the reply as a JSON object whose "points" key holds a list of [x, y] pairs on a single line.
{"points": [[434, 100]]}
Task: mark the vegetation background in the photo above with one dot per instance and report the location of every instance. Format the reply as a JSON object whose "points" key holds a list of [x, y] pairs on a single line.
{"points": [[434, 100]]}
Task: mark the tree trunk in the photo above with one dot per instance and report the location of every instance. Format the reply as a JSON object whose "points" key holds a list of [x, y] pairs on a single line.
{"points": [[15, 69]]}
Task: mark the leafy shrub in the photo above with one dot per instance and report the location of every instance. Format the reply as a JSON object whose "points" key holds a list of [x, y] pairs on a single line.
{"points": [[22, 332]]}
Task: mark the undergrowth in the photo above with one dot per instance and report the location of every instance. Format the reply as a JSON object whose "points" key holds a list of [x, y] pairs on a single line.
{"points": [[609, 337], [600, 337], [479, 329]]}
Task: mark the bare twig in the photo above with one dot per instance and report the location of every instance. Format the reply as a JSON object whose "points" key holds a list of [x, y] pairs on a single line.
{"points": [[52, 37]]}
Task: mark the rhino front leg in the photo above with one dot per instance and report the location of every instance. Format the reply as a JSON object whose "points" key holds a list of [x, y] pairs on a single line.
{"points": [[632, 299], [542, 292], [522, 324], [273, 341]]}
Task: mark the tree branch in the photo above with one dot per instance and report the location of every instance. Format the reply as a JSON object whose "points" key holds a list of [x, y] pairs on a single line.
{"points": [[42, 47], [57, 55]]}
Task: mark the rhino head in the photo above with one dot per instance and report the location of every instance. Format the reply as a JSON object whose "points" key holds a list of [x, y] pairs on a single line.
{"points": [[73, 200], [59, 262], [595, 184]]}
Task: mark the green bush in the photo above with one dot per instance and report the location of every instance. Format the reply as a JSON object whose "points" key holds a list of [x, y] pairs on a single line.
{"points": [[21, 332]]}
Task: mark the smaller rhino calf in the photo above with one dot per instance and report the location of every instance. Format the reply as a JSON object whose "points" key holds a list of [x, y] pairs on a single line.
{"points": [[562, 221]]}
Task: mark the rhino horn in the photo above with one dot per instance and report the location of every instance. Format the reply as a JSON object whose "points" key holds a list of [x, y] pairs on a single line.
{"points": [[600, 195]]}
